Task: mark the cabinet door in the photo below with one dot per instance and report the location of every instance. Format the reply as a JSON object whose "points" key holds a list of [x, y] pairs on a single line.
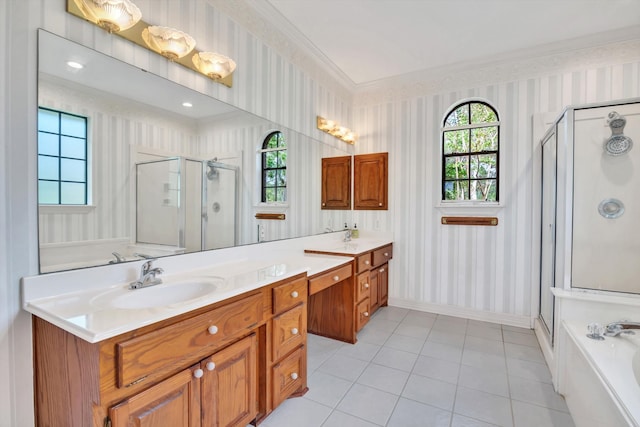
{"points": [[363, 312], [370, 181], [336, 183], [362, 291], [229, 385], [174, 402], [383, 284], [289, 331], [374, 283]]}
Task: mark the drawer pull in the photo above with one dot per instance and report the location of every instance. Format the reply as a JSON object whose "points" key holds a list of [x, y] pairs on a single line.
{"points": [[198, 373], [211, 366], [366, 286], [213, 329], [365, 314], [294, 376], [386, 254], [367, 262], [294, 294], [294, 331], [336, 278], [382, 270]]}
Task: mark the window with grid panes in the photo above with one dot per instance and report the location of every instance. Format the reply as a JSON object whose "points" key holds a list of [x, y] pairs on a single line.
{"points": [[62, 158], [274, 168], [470, 148]]}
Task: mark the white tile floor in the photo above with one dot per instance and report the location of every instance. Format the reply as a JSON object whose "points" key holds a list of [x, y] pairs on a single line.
{"points": [[411, 368]]}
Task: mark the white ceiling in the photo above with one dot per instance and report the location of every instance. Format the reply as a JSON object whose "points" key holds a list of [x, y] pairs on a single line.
{"points": [[368, 40]]}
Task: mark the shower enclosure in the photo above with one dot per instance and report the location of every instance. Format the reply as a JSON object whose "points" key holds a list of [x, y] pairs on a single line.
{"points": [[590, 205], [186, 203]]}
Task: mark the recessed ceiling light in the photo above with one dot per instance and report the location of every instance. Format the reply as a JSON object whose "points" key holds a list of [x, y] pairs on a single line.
{"points": [[74, 64], [187, 104]]}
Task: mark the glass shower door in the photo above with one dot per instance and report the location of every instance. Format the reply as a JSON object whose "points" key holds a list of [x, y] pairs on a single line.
{"points": [[220, 205], [548, 237]]}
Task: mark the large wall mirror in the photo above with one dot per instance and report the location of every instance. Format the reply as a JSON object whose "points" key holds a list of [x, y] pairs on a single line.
{"points": [[155, 177]]}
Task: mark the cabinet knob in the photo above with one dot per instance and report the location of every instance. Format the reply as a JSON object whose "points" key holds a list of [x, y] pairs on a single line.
{"points": [[380, 204], [386, 254], [198, 373], [382, 270], [213, 329], [294, 294], [367, 262], [211, 366], [294, 331], [336, 278], [294, 376], [365, 314], [366, 286], [324, 204]]}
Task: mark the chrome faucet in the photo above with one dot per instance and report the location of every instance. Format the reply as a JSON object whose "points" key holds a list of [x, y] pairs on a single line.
{"points": [[148, 276], [119, 258], [622, 327]]}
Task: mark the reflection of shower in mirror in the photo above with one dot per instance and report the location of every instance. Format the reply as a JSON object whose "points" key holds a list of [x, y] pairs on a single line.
{"points": [[212, 171], [618, 144]]}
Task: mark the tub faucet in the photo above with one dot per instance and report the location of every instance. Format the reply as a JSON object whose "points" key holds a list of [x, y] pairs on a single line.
{"points": [[148, 276], [622, 327], [119, 258]]}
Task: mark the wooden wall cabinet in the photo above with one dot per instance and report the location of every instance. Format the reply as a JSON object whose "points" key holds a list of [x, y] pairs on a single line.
{"points": [[370, 181], [228, 364], [336, 183]]}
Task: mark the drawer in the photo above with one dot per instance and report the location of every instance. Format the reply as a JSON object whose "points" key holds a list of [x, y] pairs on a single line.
{"points": [[289, 294], [382, 255], [362, 313], [289, 331], [289, 375], [363, 262], [171, 346], [329, 278], [362, 283]]}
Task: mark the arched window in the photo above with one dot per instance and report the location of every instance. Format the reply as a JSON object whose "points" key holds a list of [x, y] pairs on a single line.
{"points": [[274, 168], [470, 148]]}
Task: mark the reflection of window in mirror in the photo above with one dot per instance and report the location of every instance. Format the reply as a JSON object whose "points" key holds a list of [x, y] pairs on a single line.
{"points": [[62, 158], [274, 168]]}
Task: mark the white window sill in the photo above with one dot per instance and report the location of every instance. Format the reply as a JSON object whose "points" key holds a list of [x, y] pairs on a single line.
{"points": [[66, 209], [468, 207], [271, 207]]}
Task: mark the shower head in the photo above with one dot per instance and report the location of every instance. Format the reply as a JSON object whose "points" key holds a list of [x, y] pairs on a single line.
{"points": [[618, 144], [212, 171]]}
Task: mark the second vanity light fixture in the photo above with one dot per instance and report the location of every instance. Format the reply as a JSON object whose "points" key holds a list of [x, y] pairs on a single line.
{"points": [[333, 128], [124, 18]]}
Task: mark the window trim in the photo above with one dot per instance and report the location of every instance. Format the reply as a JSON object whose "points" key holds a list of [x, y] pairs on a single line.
{"points": [[465, 206]]}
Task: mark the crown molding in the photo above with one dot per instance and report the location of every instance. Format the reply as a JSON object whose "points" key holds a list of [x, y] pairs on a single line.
{"points": [[262, 20]]}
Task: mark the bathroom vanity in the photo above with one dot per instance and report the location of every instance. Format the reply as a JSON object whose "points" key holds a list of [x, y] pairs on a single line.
{"points": [[228, 352]]}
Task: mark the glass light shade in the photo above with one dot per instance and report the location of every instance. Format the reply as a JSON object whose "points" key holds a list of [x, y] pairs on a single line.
{"points": [[350, 137], [339, 131], [214, 65], [168, 42], [112, 15]]}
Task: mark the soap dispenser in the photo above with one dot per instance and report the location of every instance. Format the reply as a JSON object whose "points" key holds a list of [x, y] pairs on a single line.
{"points": [[355, 233]]}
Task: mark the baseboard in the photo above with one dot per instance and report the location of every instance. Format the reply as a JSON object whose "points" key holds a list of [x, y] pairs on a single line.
{"points": [[467, 313]]}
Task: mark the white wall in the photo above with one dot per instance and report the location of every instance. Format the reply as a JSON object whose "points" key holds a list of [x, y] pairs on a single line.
{"points": [[481, 272]]}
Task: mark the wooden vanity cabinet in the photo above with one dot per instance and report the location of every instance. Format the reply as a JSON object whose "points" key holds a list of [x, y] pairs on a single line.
{"points": [[336, 183], [227, 364], [379, 276], [370, 181]]}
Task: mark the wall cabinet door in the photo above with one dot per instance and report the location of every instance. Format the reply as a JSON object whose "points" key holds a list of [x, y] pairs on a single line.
{"points": [[336, 183], [174, 402], [229, 385], [370, 186]]}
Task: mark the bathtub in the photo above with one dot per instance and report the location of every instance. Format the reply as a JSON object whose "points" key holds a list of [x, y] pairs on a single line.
{"points": [[602, 384]]}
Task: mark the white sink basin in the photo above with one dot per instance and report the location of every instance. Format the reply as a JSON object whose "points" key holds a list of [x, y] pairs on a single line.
{"points": [[167, 294]]}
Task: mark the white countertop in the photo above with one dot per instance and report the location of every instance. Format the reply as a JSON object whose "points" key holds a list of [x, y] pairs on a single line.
{"points": [[354, 247], [85, 311]]}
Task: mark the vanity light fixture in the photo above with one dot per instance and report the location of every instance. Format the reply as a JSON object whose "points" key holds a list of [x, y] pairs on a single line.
{"points": [[214, 65], [168, 42], [333, 128], [175, 45], [112, 15]]}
